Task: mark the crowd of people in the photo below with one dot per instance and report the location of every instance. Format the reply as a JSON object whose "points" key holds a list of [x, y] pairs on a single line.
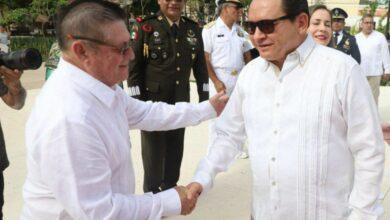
{"points": [[292, 85]]}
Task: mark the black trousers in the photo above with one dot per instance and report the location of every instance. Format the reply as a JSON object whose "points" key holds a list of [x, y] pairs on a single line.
{"points": [[2, 194], [162, 152]]}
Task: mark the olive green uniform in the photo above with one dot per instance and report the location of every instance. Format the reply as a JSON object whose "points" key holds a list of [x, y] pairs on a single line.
{"points": [[161, 71]]}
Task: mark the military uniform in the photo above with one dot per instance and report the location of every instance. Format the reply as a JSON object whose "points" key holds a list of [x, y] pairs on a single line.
{"points": [[53, 59], [342, 40], [164, 57]]}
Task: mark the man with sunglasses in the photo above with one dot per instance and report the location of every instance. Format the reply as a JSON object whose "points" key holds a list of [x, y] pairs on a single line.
{"points": [[77, 137], [226, 51], [315, 141], [342, 40], [167, 48]]}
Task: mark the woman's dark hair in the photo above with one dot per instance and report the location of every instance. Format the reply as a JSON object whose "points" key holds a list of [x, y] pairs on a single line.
{"points": [[315, 8]]}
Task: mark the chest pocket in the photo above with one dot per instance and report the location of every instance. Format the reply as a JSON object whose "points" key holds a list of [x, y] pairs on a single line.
{"points": [[221, 39]]}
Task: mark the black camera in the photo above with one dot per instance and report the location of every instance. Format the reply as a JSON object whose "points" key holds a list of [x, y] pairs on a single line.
{"points": [[21, 59]]}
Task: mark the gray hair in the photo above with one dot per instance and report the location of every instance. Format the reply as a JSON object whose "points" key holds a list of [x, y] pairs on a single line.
{"points": [[87, 19]]}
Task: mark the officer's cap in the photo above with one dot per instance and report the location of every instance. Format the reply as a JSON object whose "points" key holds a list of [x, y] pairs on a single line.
{"points": [[236, 2], [339, 13]]}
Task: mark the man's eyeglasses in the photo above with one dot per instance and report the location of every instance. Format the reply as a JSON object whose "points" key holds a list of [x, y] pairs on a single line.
{"points": [[122, 50], [265, 26]]}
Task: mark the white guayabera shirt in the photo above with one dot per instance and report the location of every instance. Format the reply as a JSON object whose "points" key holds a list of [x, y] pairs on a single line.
{"points": [[78, 150], [315, 143]]}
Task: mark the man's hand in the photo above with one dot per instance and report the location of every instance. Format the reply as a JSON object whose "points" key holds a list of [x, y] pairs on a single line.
{"points": [[187, 205], [219, 101], [10, 77], [194, 190], [386, 132], [219, 86]]}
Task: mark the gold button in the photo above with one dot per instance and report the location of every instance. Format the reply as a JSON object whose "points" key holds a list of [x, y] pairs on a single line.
{"points": [[147, 89], [177, 40], [178, 68], [177, 82], [178, 54]]}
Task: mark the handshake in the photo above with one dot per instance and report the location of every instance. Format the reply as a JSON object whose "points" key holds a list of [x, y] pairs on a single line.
{"points": [[189, 196]]}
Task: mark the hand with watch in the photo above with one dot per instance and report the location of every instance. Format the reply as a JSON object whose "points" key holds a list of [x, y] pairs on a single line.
{"points": [[11, 89]]}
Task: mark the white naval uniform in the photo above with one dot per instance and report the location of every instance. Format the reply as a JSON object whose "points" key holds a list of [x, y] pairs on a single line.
{"points": [[226, 48]]}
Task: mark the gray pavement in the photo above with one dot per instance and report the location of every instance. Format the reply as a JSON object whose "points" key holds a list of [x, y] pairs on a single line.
{"points": [[229, 199]]}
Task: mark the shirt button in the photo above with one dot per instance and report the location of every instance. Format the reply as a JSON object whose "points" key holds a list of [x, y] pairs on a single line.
{"points": [[178, 68], [278, 104], [280, 80], [273, 183], [177, 82], [275, 132], [275, 208], [273, 159]]}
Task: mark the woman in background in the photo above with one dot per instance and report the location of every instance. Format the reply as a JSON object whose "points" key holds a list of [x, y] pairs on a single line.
{"points": [[321, 24]]}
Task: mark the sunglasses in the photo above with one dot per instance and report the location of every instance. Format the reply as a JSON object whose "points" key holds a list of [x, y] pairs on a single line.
{"points": [[122, 50], [265, 26]]}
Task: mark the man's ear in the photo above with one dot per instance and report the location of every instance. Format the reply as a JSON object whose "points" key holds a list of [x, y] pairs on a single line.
{"points": [[79, 50], [302, 21]]}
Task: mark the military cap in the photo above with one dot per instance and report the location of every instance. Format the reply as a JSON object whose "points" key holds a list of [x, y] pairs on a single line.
{"points": [[339, 13], [237, 2]]}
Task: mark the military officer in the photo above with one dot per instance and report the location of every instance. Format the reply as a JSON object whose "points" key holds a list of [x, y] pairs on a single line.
{"points": [[167, 46], [342, 40], [227, 49]]}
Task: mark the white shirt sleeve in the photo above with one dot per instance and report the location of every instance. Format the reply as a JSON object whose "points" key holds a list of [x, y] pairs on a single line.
{"points": [[207, 44], [230, 138], [247, 43], [385, 54], [365, 141], [75, 166], [157, 116]]}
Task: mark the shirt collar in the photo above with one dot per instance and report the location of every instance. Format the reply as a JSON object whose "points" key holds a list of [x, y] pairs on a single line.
{"points": [[303, 52], [100, 90], [221, 24]]}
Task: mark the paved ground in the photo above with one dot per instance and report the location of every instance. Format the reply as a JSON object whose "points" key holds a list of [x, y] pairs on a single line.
{"points": [[230, 198]]}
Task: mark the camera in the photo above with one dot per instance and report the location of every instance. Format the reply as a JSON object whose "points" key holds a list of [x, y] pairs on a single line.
{"points": [[21, 59]]}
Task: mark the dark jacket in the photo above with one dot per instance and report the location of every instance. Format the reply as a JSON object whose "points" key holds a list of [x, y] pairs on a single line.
{"points": [[163, 62], [348, 46]]}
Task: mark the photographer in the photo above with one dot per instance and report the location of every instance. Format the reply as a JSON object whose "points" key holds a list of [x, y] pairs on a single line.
{"points": [[14, 95]]}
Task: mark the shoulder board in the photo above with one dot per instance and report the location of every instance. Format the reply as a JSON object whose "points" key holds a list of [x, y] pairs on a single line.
{"points": [[209, 25], [149, 17], [185, 19]]}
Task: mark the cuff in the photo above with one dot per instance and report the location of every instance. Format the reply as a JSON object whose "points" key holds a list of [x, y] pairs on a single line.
{"points": [[171, 204], [207, 109], [204, 180]]}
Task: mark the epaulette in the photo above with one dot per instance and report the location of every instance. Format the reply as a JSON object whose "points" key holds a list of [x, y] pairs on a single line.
{"points": [[186, 19], [149, 17], [209, 25]]}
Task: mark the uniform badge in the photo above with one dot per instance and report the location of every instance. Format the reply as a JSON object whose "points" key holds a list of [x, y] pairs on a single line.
{"points": [[153, 55], [220, 35], [146, 50], [160, 18], [164, 55], [347, 42], [156, 34], [157, 40], [147, 28], [192, 41], [193, 56], [347, 45], [190, 33], [234, 73]]}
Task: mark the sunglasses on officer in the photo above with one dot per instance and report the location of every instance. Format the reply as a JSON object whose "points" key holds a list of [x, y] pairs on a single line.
{"points": [[122, 50], [266, 26]]}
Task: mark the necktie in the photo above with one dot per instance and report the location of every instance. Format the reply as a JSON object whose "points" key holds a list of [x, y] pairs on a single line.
{"points": [[336, 36], [174, 29]]}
